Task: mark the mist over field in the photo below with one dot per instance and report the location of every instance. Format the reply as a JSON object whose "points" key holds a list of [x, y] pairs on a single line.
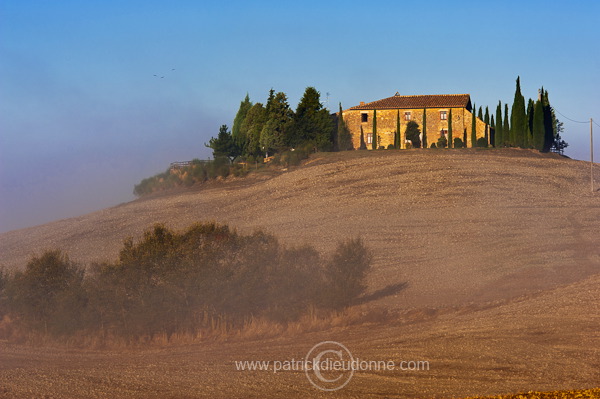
{"points": [[124, 277], [84, 117]]}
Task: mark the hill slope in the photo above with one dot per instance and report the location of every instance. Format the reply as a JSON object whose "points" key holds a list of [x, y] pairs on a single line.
{"points": [[498, 249], [457, 226]]}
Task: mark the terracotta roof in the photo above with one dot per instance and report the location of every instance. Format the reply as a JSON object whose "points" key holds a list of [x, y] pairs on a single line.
{"points": [[426, 101]]}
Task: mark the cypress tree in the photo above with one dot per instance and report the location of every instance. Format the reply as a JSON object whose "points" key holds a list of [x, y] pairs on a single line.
{"points": [[492, 128], [450, 140], [528, 139], [506, 127], [486, 119], [473, 128], [518, 120], [424, 128], [530, 111], [397, 143], [344, 137], [549, 122], [480, 114], [538, 126], [498, 140], [374, 142]]}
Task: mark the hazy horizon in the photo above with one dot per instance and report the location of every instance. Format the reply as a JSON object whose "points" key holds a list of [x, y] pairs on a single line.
{"points": [[84, 118]]}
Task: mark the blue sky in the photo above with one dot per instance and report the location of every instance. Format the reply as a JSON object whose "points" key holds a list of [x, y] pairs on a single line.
{"points": [[83, 118]]}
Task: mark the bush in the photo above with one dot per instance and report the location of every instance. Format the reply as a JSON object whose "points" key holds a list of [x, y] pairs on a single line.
{"points": [[381, 147], [482, 142], [433, 145], [240, 170], [48, 296], [3, 283], [458, 143], [442, 142], [181, 282], [346, 271], [390, 147]]}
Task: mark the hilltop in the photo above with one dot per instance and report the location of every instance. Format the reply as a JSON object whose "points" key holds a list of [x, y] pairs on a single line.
{"points": [[494, 253]]}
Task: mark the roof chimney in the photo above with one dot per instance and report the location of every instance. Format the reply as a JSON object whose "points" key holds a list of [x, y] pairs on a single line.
{"points": [[362, 103], [397, 93]]}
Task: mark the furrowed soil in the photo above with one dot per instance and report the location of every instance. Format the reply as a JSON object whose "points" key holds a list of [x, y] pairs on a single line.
{"points": [[486, 265]]}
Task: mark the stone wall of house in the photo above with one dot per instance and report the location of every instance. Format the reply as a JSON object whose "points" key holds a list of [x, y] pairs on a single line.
{"points": [[386, 125]]}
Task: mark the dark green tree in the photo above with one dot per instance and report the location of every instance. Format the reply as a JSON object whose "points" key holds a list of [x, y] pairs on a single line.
{"points": [[480, 114], [223, 145], [538, 126], [450, 139], [425, 128], [374, 140], [413, 133], [270, 100], [550, 122], [397, 144], [239, 136], [279, 119], [486, 119], [498, 136], [344, 137], [506, 127], [518, 118], [530, 110], [311, 123], [252, 126], [492, 129], [473, 128]]}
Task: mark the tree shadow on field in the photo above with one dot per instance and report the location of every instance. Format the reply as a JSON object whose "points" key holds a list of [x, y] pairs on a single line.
{"points": [[382, 293]]}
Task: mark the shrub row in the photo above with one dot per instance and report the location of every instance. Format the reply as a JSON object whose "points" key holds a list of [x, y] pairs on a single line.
{"points": [[197, 172], [181, 282]]}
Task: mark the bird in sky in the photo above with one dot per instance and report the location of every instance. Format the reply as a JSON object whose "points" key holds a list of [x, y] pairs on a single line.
{"points": [[162, 76]]}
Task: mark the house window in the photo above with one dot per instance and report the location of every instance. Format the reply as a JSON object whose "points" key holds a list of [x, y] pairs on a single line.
{"points": [[364, 117], [407, 116], [369, 138], [444, 133], [443, 115]]}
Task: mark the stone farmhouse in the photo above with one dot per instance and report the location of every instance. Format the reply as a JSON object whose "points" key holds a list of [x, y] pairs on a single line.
{"points": [[410, 108]]}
